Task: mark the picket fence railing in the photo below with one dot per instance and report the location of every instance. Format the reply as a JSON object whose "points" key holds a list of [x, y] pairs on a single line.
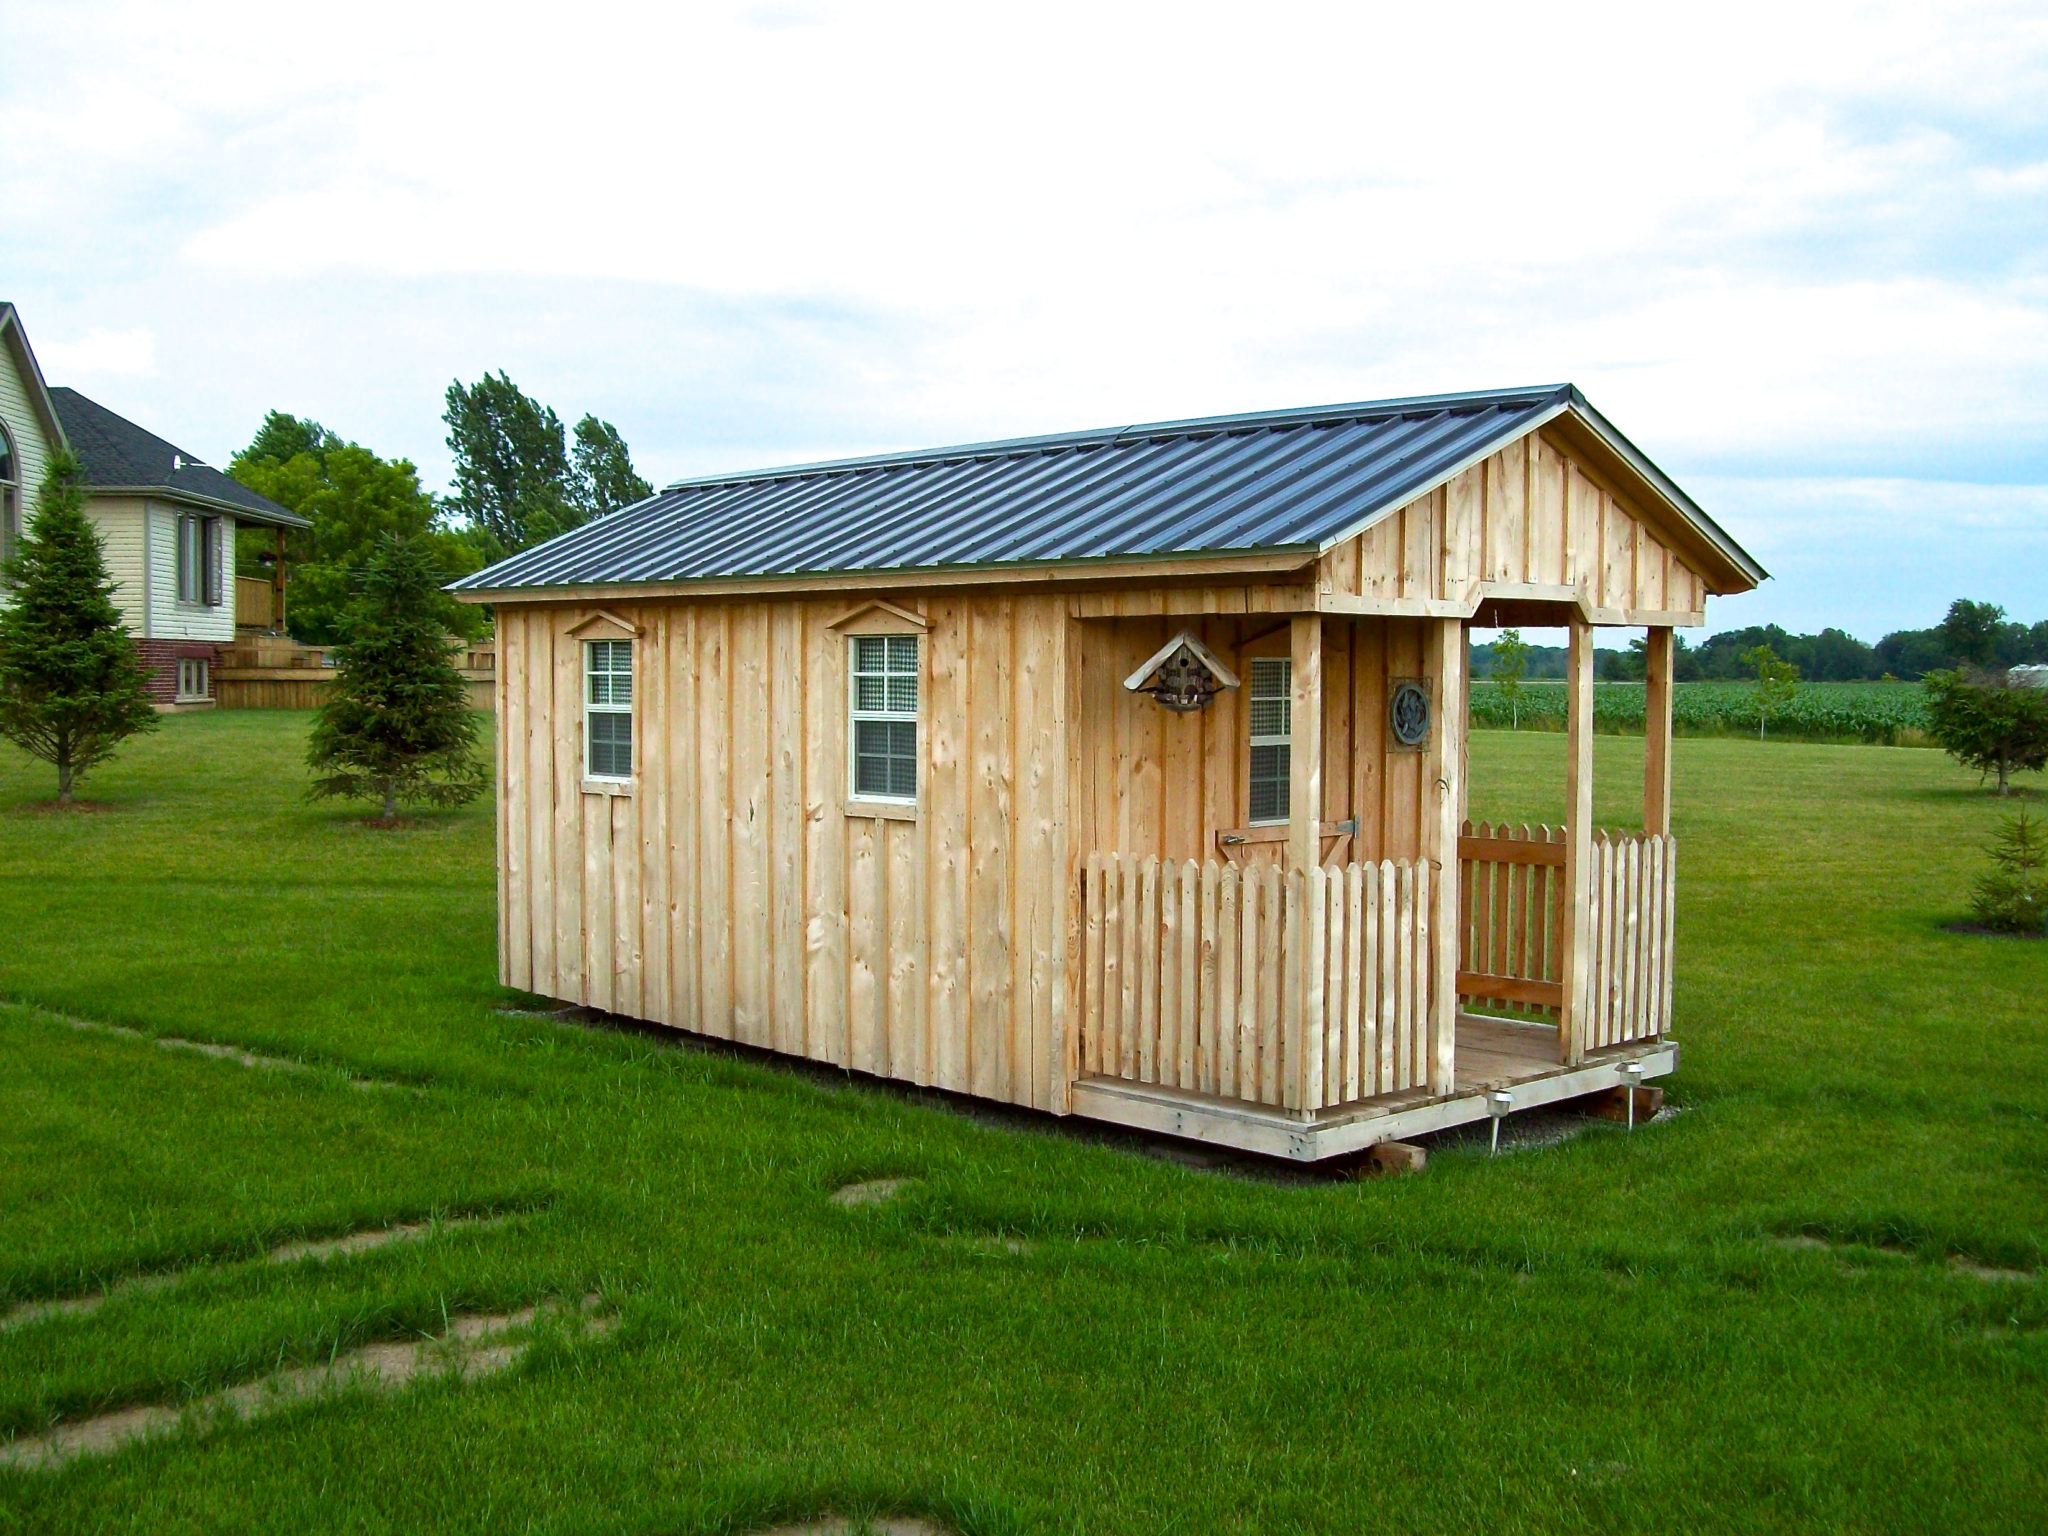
{"points": [[1511, 902], [1635, 902], [1299, 990]]}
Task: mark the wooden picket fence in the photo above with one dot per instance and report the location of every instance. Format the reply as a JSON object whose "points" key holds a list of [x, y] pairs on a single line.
{"points": [[1628, 994], [1511, 896], [1511, 927], [1300, 990]]}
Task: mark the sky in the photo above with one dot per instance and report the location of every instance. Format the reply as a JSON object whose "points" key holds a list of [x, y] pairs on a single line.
{"points": [[1797, 252]]}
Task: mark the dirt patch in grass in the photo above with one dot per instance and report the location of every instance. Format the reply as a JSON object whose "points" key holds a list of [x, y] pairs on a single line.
{"points": [[474, 1345], [869, 1192], [348, 1244], [834, 1525], [75, 808], [241, 1057], [1990, 1274]]}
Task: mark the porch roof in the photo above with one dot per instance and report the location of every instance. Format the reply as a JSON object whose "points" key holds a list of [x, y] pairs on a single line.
{"points": [[1267, 483]]}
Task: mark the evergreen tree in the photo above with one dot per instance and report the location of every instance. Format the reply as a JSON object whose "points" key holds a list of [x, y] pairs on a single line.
{"points": [[1989, 722], [72, 688], [397, 724], [2012, 897]]}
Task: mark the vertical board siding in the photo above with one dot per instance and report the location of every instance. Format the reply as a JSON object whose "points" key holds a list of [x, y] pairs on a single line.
{"points": [[1248, 983], [1164, 785], [736, 891], [1525, 515]]}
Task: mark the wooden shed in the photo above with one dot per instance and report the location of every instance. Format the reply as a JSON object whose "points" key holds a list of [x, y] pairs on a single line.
{"points": [[1117, 773]]}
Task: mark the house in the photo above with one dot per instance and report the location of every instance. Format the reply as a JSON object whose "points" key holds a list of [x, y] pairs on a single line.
{"points": [[167, 519], [1116, 773]]}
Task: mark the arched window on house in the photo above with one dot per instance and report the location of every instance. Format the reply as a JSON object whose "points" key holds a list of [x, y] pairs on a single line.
{"points": [[10, 495]]}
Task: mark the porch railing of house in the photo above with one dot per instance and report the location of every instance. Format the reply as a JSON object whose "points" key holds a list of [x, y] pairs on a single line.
{"points": [[1299, 990], [1511, 918]]}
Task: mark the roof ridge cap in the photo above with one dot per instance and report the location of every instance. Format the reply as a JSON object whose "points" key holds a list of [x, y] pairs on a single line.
{"points": [[1192, 426]]}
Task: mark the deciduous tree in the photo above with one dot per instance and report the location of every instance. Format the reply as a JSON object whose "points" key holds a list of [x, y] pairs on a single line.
{"points": [[1971, 631], [605, 477], [355, 500], [1510, 662], [516, 480], [1777, 681]]}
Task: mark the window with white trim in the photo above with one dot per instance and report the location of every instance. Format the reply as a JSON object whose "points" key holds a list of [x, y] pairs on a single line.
{"points": [[1272, 721], [608, 709], [884, 711], [10, 496], [194, 683], [199, 567]]}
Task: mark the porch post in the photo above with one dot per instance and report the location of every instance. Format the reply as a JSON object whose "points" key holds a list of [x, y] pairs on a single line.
{"points": [[1305, 745], [1444, 772], [1301, 989], [1657, 734], [277, 580], [1575, 948]]}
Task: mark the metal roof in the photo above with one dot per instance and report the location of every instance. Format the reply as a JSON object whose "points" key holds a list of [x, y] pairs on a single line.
{"points": [[1268, 482]]}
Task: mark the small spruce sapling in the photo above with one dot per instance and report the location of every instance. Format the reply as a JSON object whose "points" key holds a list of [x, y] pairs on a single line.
{"points": [[397, 725], [1510, 664], [72, 688], [1777, 682], [2012, 896]]}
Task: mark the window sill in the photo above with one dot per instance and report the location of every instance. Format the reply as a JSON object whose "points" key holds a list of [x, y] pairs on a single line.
{"points": [[882, 810], [608, 787]]}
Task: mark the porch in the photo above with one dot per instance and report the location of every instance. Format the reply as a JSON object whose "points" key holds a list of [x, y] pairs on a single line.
{"points": [[1293, 998], [1495, 1057]]}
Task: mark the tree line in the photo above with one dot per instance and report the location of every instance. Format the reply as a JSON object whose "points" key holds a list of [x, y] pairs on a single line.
{"points": [[1832, 656], [521, 477]]}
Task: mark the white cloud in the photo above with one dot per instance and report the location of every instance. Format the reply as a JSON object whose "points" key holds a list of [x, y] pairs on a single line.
{"points": [[1771, 241], [97, 353]]}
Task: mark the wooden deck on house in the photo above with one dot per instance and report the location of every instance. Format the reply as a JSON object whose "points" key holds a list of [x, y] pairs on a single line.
{"points": [[1493, 1055]]}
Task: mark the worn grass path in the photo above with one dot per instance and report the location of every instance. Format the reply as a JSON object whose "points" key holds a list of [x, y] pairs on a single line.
{"points": [[1613, 1333]]}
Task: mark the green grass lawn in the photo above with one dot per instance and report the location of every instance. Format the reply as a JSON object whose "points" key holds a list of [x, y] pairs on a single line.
{"points": [[1611, 1333]]}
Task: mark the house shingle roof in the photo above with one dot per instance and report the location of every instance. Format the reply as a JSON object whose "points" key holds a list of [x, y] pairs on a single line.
{"points": [[115, 453], [1271, 482]]}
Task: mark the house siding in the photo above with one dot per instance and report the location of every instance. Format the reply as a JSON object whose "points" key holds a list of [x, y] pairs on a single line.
{"points": [[170, 619], [119, 520], [31, 445]]}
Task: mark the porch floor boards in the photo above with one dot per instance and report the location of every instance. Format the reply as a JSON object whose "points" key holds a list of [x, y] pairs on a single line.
{"points": [[1492, 1055]]}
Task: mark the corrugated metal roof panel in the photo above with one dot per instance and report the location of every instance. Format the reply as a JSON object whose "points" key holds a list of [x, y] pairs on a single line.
{"points": [[1217, 485]]}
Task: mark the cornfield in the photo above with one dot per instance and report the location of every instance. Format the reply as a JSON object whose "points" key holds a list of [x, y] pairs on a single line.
{"points": [[1887, 714]]}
